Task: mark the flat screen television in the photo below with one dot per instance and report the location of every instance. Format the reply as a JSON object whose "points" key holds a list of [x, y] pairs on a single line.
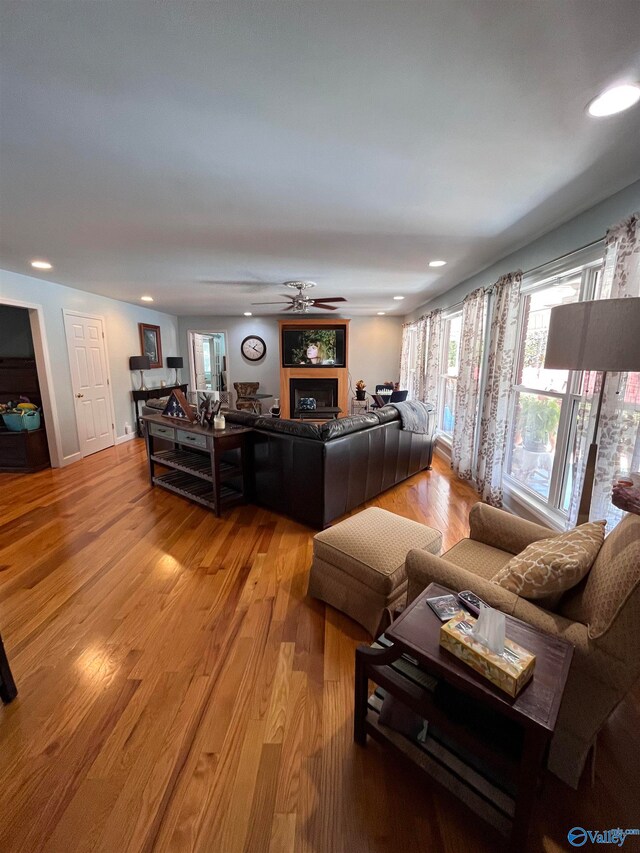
{"points": [[323, 347]]}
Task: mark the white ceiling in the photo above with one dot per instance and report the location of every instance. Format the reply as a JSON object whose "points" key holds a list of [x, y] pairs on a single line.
{"points": [[157, 148]]}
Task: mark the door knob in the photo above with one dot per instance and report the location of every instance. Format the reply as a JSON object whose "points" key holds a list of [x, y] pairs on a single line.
{"points": [[79, 395]]}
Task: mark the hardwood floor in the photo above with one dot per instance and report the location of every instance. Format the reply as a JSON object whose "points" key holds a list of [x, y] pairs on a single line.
{"points": [[178, 691]]}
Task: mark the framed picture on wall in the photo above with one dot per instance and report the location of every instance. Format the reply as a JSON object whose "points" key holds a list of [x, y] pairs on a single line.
{"points": [[150, 343]]}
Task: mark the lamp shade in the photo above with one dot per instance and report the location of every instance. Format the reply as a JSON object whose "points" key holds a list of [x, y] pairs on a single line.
{"points": [[175, 361], [599, 335], [139, 362]]}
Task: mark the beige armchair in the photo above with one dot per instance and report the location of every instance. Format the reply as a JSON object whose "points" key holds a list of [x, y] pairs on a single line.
{"points": [[600, 617]]}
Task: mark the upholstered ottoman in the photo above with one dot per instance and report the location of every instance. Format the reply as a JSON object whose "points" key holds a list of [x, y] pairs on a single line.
{"points": [[358, 564]]}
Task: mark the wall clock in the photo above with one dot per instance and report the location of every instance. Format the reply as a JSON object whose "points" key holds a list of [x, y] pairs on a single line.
{"points": [[253, 348]]}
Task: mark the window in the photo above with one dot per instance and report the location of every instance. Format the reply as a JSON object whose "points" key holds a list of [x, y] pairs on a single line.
{"points": [[541, 452], [450, 361]]}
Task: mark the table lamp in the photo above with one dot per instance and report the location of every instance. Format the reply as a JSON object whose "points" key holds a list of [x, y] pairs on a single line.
{"points": [[176, 362], [141, 363], [603, 335]]}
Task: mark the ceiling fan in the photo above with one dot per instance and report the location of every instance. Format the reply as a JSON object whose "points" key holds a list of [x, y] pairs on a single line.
{"points": [[299, 303]]}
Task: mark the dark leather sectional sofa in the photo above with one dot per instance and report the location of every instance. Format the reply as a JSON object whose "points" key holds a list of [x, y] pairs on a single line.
{"points": [[317, 472]]}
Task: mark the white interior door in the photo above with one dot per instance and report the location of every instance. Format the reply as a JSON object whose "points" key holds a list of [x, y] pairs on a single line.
{"points": [[92, 395], [198, 361]]}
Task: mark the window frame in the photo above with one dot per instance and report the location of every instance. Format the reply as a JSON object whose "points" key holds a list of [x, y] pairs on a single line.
{"points": [[443, 374], [589, 267]]}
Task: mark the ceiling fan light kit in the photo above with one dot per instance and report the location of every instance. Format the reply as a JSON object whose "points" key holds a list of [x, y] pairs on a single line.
{"points": [[299, 303]]}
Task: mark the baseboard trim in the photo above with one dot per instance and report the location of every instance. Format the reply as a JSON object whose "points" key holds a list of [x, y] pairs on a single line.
{"points": [[128, 436], [443, 450], [69, 460]]}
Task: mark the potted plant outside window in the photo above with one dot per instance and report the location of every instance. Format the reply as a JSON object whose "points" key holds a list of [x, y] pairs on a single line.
{"points": [[540, 417]]}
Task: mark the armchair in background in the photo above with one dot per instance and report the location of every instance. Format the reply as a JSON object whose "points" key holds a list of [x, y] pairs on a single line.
{"points": [[244, 392]]}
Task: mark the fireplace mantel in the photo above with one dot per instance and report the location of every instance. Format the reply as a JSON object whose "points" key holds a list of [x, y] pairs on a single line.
{"points": [[328, 372]]}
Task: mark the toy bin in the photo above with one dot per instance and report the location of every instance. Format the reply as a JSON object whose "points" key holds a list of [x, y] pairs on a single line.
{"points": [[18, 421]]}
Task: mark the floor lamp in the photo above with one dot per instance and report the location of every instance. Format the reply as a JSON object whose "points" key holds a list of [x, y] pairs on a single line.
{"points": [[603, 335]]}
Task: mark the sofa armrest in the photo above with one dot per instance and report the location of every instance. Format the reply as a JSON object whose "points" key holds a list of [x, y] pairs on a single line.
{"points": [[424, 568], [502, 530]]}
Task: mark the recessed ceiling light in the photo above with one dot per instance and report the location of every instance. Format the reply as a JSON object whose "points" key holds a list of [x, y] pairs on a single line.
{"points": [[437, 263], [41, 265], [381, 313], [146, 299], [614, 100], [398, 298], [248, 314]]}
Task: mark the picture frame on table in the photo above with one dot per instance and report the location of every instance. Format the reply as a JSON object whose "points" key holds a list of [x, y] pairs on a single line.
{"points": [[151, 343]]}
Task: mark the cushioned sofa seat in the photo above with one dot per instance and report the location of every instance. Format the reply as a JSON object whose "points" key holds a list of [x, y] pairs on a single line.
{"points": [[476, 557]]}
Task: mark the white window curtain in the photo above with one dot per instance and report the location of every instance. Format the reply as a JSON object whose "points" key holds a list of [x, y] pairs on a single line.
{"points": [[420, 357], [619, 427], [412, 358], [421, 331], [405, 358], [433, 355], [503, 336], [463, 440]]}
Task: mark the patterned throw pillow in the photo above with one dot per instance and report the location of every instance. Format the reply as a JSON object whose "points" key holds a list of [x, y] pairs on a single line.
{"points": [[549, 567]]}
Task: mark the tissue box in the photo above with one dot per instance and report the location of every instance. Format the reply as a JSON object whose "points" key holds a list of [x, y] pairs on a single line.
{"points": [[509, 673]]}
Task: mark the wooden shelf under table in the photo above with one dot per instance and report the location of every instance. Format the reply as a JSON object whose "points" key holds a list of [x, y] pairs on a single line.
{"points": [[196, 464], [194, 459], [195, 488]]}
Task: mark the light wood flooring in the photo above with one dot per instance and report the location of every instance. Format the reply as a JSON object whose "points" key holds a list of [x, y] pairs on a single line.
{"points": [[179, 692]]}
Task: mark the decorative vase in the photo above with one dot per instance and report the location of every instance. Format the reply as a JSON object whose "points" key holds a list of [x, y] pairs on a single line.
{"points": [[361, 394]]}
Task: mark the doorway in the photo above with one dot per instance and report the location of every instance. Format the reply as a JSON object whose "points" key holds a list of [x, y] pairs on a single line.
{"points": [[45, 373], [24, 445], [208, 361]]}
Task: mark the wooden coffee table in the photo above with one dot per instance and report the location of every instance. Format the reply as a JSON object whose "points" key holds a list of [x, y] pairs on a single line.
{"points": [[534, 711]]}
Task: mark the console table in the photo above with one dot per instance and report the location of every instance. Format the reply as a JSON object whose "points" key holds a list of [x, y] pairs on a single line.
{"points": [[197, 470], [153, 394], [410, 665], [25, 451]]}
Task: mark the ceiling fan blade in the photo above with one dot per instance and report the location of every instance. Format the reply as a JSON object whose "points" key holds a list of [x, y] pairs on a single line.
{"points": [[331, 299], [290, 308], [327, 307], [269, 303]]}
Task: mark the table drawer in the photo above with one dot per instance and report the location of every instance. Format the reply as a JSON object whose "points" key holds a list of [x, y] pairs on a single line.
{"points": [[162, 431], [191, 438]]}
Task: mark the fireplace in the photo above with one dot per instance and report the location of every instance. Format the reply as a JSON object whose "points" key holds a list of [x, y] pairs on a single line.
{"points": [[328, 384], [324, 391]]}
